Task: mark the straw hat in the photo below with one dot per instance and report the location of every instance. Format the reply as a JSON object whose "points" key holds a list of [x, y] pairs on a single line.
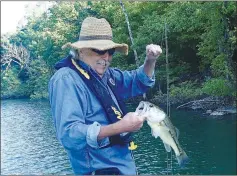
{"points": [[97, 34]]}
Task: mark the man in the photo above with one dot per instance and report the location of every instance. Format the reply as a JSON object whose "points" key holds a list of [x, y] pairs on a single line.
{"points": [[86, 98]]}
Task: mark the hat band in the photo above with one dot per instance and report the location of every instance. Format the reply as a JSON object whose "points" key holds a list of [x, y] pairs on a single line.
{"points": [[95, 37]]}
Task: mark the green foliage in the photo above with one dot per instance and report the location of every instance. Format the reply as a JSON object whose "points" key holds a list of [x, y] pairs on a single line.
{"points": [[217, 87], [10, 84], [185, 90], [219, 66], [39, 76], [201, 39]]}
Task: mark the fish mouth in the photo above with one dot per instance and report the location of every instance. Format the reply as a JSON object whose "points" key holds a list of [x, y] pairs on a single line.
{"points": [[142, 108]]}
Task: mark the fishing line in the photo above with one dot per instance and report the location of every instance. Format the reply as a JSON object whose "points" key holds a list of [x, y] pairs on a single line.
{"points": [[169, 165]]}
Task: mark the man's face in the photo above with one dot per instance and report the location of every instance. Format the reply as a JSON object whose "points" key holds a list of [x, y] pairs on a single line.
{"points": [[98, 61]]}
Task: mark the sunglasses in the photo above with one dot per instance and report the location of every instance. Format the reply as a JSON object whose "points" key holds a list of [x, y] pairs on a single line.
{"points": [[102, 52]]}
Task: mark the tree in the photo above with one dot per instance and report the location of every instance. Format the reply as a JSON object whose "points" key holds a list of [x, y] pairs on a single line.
{"points": [[15, 54]]}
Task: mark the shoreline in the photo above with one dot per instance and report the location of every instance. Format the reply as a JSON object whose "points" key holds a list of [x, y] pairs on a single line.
{"points": [[209, 105]]}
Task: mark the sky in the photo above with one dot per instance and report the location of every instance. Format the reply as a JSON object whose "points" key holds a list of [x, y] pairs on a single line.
{"points": [[11, 13]]}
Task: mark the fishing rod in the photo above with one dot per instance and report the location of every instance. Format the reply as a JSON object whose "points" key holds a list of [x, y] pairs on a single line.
{"points": [[131, 38], [169, 165]]}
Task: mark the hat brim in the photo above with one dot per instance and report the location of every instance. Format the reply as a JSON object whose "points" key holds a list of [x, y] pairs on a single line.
{"points": [[98, 44]]}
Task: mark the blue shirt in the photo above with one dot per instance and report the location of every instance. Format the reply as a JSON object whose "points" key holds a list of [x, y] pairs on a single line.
{"points": [[78, 116]]}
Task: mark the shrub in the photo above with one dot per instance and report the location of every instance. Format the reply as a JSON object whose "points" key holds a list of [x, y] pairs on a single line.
{"points": [[9, 83], [185, 90], [217, 87], [39, 76]]}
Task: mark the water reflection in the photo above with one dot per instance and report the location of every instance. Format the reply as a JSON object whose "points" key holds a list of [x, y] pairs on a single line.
{"points": [[28, 141], [29, 145]]}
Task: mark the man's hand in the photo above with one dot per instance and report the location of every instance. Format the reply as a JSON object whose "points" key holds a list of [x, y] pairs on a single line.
{"points": [[131, 122], [153, 52]]}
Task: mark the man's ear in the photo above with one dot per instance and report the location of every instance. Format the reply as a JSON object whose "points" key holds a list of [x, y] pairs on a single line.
{"points": [[81, 53]]}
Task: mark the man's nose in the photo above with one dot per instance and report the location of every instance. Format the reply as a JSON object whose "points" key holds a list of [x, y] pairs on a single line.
{"points": [[105, 56]]}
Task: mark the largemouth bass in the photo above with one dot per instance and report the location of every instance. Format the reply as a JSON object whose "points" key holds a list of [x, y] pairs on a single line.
{"points": [[162, 126]]}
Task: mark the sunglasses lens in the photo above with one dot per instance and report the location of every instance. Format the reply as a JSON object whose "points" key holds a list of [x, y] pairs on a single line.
{"points": [[111, 51], [102, 52]]}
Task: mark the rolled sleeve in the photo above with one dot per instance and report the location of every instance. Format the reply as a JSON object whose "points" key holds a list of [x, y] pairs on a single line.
{"points": [[92, 135], [146, 80]]}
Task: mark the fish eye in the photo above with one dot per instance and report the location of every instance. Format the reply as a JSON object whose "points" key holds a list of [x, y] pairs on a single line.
{"points": [[140, 108], [151, 106]]}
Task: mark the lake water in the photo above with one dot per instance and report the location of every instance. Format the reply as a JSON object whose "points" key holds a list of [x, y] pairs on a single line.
{"points": [[29, 145]]}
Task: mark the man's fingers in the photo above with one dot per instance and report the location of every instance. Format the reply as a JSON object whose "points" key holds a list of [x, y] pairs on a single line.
{"points": [[141, 117], [153, 50], [151, 53]]}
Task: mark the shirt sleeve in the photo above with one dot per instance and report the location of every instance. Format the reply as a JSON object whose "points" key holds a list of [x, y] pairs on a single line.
{"points": [[133, 83], [68, 107]]}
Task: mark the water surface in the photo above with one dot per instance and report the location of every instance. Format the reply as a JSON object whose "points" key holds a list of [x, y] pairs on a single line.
{"points": [[29, 145]]}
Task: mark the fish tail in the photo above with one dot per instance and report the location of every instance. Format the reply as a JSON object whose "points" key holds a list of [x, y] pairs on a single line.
{"points": [[182, 159]]}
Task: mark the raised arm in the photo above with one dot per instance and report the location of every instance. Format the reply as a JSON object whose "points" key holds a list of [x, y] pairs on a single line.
{"points": [[137, 82]]}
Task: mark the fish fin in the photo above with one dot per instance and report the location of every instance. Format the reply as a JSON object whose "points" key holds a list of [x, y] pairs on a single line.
{"points": [[154, 133], [167, 147], [177, 132], [182, 159]]}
